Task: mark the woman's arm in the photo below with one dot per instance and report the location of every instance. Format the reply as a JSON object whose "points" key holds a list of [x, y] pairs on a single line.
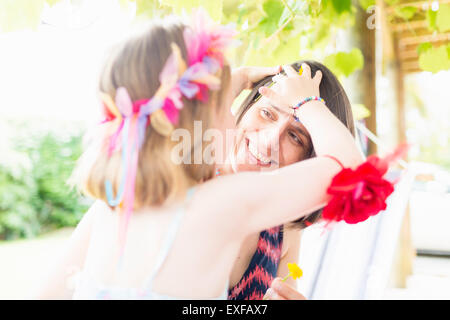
{"points": [[244, 77], [71, 259], [259, 201]]}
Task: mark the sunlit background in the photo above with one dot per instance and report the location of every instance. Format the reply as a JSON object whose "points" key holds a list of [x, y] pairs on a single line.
{"points": [[51, 52]]}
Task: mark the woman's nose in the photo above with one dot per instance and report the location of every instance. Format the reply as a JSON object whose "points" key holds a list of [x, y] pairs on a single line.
{"points": [[274, 133], [269, 140]]}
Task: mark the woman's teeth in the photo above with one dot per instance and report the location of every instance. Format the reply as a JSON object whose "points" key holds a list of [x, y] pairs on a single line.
{"points": [[254, 151]]}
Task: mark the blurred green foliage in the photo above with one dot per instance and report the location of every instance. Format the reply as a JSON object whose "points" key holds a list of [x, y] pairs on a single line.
{"points": [[272, 31], [432, 58], [34, 195], [345, 63], [436, 58]]}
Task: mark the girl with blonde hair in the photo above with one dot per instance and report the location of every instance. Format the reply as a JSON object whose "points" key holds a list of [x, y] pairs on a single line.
{"points": [[174, 232]]}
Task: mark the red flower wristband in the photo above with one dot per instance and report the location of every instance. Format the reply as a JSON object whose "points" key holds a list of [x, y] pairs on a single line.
{"points": [[360, 193]]}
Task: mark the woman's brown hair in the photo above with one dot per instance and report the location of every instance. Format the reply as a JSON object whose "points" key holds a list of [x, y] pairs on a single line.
{"points": [[136, 65], [336, 100]]}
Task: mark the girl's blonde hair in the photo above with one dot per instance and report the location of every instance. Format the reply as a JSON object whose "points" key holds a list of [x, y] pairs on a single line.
{"points": [[136, 65]]}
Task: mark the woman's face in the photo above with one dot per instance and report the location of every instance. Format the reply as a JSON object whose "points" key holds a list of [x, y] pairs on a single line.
{"points": [[270, 138]]}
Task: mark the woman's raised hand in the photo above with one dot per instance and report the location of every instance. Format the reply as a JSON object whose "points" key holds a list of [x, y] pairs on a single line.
{"points": [[245, 77], [292, 88]]}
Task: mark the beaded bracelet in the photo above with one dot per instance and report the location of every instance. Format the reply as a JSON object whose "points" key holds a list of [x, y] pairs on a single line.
{"points": [[312, 98]]}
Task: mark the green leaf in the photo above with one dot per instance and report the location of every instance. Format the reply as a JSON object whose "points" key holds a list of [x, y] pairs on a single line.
{"points": [[365, 4], [345, 63], [340, 14], [424, 47], [405, 13], [443, 18], [273, 10], [342, 5], [435, 59], [431, 19]]}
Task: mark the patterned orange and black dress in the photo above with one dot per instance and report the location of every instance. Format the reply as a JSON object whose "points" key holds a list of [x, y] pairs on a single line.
{"points": [[262, 268]]}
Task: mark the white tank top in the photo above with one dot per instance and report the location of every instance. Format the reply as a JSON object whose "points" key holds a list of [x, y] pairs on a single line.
{"points": [[88, 287]]}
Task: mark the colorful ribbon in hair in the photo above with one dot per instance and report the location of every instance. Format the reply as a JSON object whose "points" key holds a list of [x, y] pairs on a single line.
{"points": [[205, 42]]}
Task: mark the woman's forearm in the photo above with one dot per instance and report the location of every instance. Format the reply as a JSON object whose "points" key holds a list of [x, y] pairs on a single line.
{"points": [[329, 136], [245, 77], [306, 181]]}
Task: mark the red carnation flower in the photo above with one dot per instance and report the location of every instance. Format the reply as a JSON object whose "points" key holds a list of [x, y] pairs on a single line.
{"points": [[361, 193]]}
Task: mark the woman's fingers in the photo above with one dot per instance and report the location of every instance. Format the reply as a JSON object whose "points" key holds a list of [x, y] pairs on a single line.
{"points": [[292, 87], [272, 295], [274, 97], [290, 72], [246, 77], [318, 77], [286, 291], [306, 70], [276, 69], [258, 73], [278, 77]]}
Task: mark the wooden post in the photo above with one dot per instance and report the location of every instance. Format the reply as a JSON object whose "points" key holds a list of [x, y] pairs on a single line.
{"points": [[400, 94], [367, 77], [406, 250]]}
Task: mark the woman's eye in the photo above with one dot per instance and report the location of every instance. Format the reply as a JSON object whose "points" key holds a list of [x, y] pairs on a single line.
{"points": [[296, 139], [266, 114]]}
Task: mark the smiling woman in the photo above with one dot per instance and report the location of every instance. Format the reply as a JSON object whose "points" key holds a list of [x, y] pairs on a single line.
{"points": [[272, 137]]}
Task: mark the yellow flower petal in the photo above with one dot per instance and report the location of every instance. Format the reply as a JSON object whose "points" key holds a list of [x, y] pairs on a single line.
{"points": [[295, 270]]}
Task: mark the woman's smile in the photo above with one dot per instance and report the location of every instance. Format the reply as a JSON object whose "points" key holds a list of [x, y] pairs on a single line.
{"points": [[255, 156]]}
